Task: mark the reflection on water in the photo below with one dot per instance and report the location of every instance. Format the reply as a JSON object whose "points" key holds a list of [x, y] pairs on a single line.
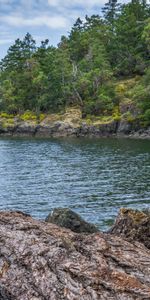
{"points": [[95, 177]]}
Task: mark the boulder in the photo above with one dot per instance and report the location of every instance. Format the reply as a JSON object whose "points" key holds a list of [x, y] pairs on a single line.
{"points": [[67, 218], [40, 261], [133, 225]]}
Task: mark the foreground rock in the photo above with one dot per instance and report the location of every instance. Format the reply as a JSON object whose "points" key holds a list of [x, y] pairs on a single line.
{"points": [[133, 225], [43, 261], [67, 218]]}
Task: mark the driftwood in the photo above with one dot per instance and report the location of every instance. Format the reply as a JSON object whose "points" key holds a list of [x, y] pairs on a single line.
{"points": [[41, 261]]}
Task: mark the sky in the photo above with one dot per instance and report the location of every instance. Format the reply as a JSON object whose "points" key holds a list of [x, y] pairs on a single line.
{"points": [[41, 18]]}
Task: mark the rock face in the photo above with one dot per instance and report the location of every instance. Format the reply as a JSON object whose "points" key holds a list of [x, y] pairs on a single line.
{"points": [[133, 225], [56, 129], [43, 261], [67, 218], [106, 129], [70, 123], [124, 127]]}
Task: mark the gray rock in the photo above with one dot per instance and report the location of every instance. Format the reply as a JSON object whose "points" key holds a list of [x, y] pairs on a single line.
{"points": [[98, 130], [124, 127], [25, 129], [67, 218], [56, 129]]}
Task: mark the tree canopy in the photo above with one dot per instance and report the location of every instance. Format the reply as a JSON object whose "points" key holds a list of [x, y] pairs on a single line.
{"points": [[85, 66]]}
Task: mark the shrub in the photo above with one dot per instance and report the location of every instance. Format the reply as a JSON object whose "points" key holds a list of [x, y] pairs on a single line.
{"points": [[116, 114], [28, 116], [146, 117], [128, 117], [116, 118], [6, 115], [120, 89], [41, 117]]}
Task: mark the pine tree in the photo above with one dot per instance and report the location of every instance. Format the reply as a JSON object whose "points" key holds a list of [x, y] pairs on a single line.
{"points": [[110, 11]]}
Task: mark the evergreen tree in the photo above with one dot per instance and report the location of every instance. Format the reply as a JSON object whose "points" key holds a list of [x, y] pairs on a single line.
{"points": [[110, 12], [83, 68]]}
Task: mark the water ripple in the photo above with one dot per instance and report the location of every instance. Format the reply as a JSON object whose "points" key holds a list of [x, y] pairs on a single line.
{"points": [[93, 177]]}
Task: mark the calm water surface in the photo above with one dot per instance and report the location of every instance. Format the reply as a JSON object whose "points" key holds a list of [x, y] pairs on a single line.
{"points": [[94, 177]]}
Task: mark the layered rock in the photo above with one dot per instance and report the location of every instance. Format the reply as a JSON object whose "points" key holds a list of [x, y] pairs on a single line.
{"points": [[43, 261]]}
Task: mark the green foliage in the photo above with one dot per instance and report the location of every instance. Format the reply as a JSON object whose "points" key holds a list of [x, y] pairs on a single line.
{"points": [[28, 116], [147, 115], [146, 34], [141, 93], [41, 117], [120, 89], [116, 117], [116, 114], [129, 117], [6, 116], [84, 69], [128, 51]]}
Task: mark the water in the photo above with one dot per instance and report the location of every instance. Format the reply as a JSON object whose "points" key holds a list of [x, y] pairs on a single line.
{"points": [[94, 177]]}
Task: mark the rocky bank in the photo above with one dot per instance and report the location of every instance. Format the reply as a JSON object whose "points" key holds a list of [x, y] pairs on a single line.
{"points": [[41, 260], [71, 123], [133, 225]]}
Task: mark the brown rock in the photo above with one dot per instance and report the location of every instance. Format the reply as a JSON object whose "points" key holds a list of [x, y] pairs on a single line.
{"points": [[43, 261], [133, 225]]}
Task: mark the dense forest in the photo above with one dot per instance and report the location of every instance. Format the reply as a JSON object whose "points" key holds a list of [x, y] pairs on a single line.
{"points": [[104, 61]]}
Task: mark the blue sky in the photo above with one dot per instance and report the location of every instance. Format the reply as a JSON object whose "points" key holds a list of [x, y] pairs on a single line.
{"points": [[42, 18]]}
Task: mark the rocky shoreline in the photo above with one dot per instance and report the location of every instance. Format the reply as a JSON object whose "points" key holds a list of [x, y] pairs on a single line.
{"points": [[71, 124], [41, 260], [62, 129]]}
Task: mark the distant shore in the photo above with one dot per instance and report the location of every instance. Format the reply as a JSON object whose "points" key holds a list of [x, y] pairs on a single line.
{"points": [[69, 124], [62, 129]]}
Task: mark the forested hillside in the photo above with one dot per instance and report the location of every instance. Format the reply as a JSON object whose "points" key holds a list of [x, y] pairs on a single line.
{"points": [[101, 67]]}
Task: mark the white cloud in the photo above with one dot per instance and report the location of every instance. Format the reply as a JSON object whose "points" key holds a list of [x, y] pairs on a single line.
{"points": [[5, 41], [5, 1], [73, 3], [45, 18], [53, 22], [54, 14]]}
